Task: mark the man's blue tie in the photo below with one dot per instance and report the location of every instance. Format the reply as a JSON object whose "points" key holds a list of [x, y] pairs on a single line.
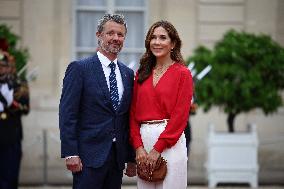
{"points": [[113, 86]]}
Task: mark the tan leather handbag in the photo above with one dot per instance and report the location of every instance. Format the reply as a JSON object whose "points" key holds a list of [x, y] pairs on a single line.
{"points": [[157, 175]]}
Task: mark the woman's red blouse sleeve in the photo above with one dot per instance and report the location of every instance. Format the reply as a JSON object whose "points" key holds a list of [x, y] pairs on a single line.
{"points": [[179, 116]]}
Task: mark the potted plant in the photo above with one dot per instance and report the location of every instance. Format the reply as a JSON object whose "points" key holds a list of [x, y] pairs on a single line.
{"points": [[247, 73]]}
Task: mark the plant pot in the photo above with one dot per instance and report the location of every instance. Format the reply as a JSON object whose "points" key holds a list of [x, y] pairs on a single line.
{"points": [[232, 157]]}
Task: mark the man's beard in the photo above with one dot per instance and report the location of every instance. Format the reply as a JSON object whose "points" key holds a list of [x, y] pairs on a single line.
{"points": [[108, 48]]}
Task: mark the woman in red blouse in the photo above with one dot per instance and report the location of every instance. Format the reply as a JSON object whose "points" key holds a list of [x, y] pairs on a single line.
{"points": [[159, 111]]}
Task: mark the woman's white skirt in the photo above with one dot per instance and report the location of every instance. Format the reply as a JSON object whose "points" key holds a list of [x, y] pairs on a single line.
{"points": [[176, 159]]}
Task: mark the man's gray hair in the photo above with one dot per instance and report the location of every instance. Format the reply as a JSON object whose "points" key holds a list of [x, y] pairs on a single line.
{"points": [[118, 18]]}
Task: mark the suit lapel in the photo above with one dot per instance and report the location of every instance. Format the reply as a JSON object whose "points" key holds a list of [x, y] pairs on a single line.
{"points": [[125, 82], [101, 79]]}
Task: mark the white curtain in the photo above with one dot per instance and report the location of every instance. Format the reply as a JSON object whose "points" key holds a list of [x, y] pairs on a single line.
{"points": [[86, 28], [130, 3], [91, 2]]}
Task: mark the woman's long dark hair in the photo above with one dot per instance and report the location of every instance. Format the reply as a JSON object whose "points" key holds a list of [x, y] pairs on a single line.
{"points": [[148, 60]]}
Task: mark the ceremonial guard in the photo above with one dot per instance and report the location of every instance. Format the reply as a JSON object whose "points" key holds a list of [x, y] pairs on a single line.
{"points": [[14, 102]]}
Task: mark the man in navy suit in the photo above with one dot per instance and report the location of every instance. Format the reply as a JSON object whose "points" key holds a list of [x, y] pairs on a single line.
{"points": [[94, 112]]}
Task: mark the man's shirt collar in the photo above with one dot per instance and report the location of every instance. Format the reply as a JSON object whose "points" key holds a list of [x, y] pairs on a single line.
{"points": [[104, 60]]}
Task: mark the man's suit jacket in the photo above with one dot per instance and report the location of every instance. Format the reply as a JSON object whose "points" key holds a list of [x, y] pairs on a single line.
{"points": [[87, 120]]}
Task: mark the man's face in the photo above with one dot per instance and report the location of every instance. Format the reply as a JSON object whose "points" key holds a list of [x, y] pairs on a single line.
{"points": [[112, 37], [3, 72]]}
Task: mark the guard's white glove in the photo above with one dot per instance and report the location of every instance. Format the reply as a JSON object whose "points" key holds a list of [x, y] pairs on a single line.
{"points": [[1, 107], [7, 93]]}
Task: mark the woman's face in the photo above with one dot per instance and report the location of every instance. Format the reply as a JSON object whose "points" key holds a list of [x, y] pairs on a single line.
{"points": [[160, 43]]}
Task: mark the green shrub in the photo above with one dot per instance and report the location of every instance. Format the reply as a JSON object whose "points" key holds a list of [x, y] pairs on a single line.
{"points": [[247, 73]]}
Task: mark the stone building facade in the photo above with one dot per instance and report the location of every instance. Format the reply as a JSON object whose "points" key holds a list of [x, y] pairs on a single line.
{"points": [[51, 31]]}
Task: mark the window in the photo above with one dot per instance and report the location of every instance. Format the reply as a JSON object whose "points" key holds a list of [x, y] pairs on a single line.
{"points": [[86, 15]]}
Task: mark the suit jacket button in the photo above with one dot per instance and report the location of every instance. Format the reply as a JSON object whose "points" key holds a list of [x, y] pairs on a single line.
{"points": [[3, 116]]}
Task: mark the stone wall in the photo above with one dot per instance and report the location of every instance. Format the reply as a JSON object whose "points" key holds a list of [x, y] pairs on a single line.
{"points": [[46, 29]]}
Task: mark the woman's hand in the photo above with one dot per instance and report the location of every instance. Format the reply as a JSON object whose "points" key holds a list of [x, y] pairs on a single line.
{"points": [[152, 159], [141, 157]]}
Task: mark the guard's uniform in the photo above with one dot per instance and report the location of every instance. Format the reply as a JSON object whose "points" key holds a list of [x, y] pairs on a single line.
{"points": [[11, 133]]}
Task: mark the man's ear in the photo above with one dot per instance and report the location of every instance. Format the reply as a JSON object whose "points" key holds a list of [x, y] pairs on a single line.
{"points": [[98, 34]]}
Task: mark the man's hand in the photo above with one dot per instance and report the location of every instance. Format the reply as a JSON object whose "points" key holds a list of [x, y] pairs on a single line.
{"points": [[74, 164], [130, 169]]}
